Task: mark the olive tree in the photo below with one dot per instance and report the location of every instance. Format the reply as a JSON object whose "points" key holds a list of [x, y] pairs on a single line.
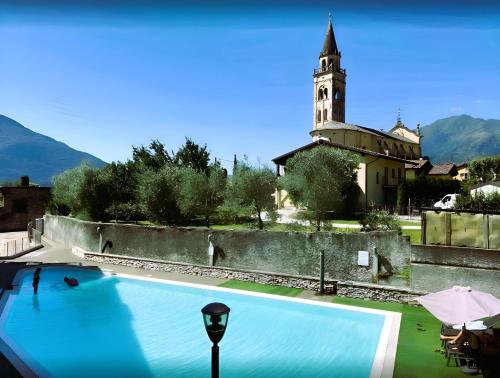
{"points": [[316, 179], [253, 187], [202, 193]]}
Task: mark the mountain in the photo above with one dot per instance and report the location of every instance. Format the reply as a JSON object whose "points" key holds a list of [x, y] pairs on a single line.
{"points": [[24, 152], [460, 139]]}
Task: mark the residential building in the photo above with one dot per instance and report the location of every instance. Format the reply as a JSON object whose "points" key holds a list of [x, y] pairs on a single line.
{"points": [[20, 205], [463, 172]]}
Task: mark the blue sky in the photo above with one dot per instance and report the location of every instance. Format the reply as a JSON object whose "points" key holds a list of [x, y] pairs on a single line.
{"points": [[237, 76]]}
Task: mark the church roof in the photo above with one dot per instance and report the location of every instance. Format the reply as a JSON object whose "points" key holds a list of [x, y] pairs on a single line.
{"points": [[330, 45], [281, 160], [350, 126]]}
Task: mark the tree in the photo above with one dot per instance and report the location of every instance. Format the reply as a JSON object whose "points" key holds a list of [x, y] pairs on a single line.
{"points": [[486, 169], [253, 187], [158, 193], [202, 193], [191, 155], [66, 188], [155, 157], [317, 179]]}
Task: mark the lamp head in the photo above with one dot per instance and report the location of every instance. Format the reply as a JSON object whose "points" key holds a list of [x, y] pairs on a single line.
{"points": [[215, 316]]}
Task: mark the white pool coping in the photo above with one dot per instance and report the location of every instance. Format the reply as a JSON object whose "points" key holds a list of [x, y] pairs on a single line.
{"points": [[383, 362]]}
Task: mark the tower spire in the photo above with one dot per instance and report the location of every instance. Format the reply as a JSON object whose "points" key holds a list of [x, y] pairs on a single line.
{"points": [[330, 45]]}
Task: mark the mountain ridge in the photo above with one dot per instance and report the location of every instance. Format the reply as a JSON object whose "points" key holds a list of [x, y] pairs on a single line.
{"points": [[460, 138], [25, 152]]}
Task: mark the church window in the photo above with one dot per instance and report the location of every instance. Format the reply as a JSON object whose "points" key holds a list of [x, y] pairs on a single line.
{"points": [[323, 63], [319, 115], [325, 115], [320, 94], [325, 93], [337, 95]]}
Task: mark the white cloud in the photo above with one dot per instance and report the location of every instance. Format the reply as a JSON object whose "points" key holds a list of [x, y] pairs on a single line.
{"points": [[478, 101], [456, 109]]}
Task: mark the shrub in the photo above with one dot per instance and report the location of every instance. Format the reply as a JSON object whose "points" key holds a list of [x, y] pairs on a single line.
{"points": [[379, 220], [479, 202]]}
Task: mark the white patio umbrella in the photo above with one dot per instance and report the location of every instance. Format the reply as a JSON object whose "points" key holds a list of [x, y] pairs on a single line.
{"points": [[460, 304]]}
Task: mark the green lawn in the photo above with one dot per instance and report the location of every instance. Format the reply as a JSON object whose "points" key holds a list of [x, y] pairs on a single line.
{"points": [[415, 357], [415, 235]]}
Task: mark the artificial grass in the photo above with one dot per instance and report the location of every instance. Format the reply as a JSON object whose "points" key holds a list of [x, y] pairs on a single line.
{"points": [[416, 355], [262, 288]]}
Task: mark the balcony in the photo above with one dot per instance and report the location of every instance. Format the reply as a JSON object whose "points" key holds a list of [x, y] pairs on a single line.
{"points": [[321, 70]]}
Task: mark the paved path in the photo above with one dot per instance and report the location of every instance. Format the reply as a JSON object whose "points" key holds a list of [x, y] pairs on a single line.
{"points": [[287, 215]]}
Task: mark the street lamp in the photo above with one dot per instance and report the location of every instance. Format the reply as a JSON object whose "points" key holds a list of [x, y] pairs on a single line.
{"points": [[215, 317]]}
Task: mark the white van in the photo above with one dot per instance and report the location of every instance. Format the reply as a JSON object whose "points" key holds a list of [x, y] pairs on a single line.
{"points": [[447, 202]]}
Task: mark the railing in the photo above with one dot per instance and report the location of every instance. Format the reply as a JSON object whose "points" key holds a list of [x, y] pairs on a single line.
{"points": [[327, 69], [15, 246]]}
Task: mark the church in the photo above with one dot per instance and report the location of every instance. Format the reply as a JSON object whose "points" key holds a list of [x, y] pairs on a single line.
{"points": [[383, 154]]}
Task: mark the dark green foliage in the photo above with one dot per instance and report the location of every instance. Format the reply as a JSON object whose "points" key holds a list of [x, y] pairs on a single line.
{"points": [[379, 220], [461, 138], [191, 155], [159, 192], [425, 191], [479, 202], [202, 193], [155, 157], [487, 169], [318, 179], [252, 188]]}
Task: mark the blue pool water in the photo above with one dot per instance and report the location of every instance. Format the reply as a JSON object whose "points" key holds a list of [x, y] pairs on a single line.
{"points": [[111, 326]]}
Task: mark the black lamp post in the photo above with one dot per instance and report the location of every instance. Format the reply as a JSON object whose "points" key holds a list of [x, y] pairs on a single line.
{"points": [[215, 317]]}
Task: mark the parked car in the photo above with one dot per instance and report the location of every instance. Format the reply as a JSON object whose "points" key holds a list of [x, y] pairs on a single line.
{"points": [[447, 202]]}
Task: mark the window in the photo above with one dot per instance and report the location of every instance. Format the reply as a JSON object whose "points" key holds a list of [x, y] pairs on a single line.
{"points": [[320, 93], [325, 115], [325, 93], [323, 65], [337, 95], [393, 173], [377, 178], [319, 115]]}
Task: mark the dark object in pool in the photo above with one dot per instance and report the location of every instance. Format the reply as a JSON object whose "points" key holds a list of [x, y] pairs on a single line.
{"points": [[36, 279], [71, 281]]}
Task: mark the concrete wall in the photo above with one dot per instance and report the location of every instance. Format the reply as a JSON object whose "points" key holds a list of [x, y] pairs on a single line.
{"points": [[435, 268], [462, 229], [294, 253]]}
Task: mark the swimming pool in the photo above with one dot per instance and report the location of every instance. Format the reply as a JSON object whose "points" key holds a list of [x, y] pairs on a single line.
{"points": [[116, 325]]}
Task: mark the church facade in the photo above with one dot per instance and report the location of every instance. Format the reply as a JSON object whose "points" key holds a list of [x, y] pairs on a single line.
{"points": [[383, 154]]}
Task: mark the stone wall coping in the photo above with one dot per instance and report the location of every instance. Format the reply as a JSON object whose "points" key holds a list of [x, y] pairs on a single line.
{"points": [[449, 248], [380, 287], [211, 230], [158, 261]]}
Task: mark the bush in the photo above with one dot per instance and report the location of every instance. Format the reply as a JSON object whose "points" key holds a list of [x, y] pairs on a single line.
{"points": [[379, 220], [479, 202]]}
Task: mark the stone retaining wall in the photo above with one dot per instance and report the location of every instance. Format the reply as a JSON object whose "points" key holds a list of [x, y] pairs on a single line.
{"points": [[341, 288], [287, 253]]}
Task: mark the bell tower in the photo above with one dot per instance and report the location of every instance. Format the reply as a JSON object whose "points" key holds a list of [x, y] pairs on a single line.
{"points": [[329, 83]]}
